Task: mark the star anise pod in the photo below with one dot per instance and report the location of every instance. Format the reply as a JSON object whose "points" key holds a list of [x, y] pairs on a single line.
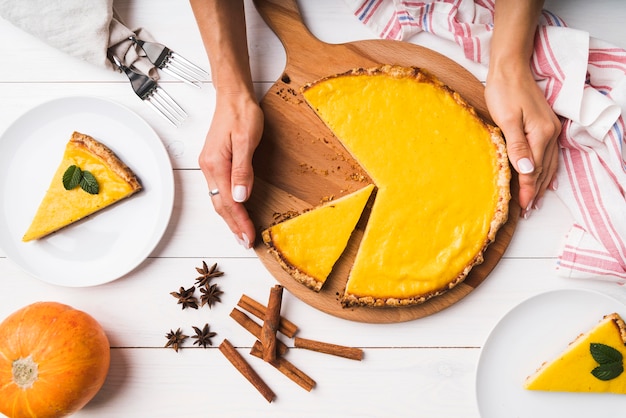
{"points": [[186, 298], [207, 273], [175, 339], [210, 295], [203, 336]]}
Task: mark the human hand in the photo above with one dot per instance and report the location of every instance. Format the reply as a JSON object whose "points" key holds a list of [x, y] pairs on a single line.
{"points": [[226, 160], [530, 127]]}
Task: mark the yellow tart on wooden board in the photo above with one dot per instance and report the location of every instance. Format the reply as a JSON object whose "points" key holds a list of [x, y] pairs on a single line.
{"points": [[308, 245], [442, 175], [593, 362], [61, 207]]}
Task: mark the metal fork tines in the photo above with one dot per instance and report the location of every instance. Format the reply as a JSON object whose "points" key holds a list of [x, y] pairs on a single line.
{"points": [[172, 63], [149, 91]]}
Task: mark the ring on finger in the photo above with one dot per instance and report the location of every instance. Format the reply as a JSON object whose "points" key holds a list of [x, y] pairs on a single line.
{"points": [[214, 192]]}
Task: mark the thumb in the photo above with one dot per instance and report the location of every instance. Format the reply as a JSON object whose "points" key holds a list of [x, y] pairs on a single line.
{"points": [[242, 175], [521, 158], [519, 150]]}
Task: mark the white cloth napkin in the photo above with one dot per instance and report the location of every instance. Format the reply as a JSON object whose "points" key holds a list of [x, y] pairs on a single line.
{"points": [[83, 29], [584, 80]]}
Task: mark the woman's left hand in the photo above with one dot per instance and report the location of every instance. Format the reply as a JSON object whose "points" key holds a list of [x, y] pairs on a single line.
{"points": [[531, 129]]}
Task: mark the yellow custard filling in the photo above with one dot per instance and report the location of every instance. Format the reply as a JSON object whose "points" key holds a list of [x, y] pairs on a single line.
{"points": [[571, 371], [313, 241], [437, 172]]}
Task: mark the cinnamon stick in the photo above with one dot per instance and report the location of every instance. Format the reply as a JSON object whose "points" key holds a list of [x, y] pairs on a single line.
{"points": [[254, 328], [286, 327], [246, 370], [270, 323], [327, 348], [286, 367]]}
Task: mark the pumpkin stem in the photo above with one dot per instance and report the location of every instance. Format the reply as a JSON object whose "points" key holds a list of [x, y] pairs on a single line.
{"points": [[25, 372]]}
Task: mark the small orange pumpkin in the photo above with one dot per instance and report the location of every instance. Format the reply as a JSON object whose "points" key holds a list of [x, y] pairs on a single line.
{"points": [[53, 360]]}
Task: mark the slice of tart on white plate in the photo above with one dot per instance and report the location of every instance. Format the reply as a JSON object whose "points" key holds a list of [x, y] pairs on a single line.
{"points": [[89, 178], [593, 362]]}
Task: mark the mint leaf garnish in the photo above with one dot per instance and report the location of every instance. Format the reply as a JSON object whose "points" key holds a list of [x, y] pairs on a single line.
{"points": [[610, 361], [604, 354], [72, 177], [89, 183], [608, 371]]}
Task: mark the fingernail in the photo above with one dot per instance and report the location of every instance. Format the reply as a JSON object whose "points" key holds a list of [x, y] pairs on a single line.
{"points": [[239, 241], [539, 203], [525, 166], [527, 211], [555, 184], [240, 193], [246, 240]]}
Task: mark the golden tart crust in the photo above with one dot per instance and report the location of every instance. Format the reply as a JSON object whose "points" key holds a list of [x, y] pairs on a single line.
{"points": [[109, 158], [60, 208]]}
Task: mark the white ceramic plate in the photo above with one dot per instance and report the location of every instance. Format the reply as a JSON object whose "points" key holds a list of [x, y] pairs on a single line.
{"points": [[533, 332], [109, 244]]}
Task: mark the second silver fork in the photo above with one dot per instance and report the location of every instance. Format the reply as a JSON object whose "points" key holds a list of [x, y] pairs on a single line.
{"points": [[149, 91]]}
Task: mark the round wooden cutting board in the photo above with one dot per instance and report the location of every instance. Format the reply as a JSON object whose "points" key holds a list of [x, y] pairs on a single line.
{"points": [[299, 163]]}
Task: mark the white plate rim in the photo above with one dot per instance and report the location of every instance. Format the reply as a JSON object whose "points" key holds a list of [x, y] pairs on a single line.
{"points": [[550, 403], [163, 190]]}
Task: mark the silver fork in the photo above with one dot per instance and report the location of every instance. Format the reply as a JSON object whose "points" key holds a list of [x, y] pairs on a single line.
{"points": [[149, 91], [171, 62]]}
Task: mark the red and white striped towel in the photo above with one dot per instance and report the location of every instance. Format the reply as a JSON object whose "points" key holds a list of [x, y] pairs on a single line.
{"points": [[584, 80]]}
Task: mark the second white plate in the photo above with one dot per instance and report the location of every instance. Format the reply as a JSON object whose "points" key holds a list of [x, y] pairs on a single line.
{"points": [[536, 331], [108, 244]]}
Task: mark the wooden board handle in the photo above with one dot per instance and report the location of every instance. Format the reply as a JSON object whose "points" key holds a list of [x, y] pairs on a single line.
{"points": [[284, 18]]}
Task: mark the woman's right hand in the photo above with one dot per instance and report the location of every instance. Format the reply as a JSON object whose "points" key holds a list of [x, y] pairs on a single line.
{"points": [[226, 160]]}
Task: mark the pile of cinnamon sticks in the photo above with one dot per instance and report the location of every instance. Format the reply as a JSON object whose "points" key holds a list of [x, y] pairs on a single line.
{"points": [[271, 349]]}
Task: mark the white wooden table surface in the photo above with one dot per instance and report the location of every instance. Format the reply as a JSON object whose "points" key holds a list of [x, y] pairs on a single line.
{"points": [[424, 368]]}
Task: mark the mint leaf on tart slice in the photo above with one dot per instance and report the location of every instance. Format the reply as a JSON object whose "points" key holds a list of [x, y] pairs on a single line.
{"points": [[89, 183], [610, 361], [72, 177]]}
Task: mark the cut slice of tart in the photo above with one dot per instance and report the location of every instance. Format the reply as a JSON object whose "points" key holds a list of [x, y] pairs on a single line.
{"points": [[442, 175], [593, 362], [61, 207], [308, 246]]}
